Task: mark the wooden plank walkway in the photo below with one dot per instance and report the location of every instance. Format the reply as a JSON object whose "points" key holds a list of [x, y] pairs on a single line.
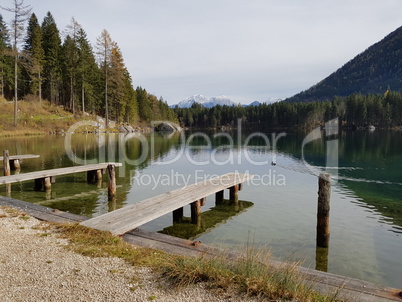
{"points": [[20, 157], [130, 217], [14, 161], [53, 172], [326, 283]]}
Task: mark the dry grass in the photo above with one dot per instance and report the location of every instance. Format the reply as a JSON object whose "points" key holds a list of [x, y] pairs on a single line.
{"points": [[34, 118], [250, 273]]}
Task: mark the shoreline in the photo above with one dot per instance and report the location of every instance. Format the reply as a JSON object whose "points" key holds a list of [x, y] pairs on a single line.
{"points": [[35, 265]]}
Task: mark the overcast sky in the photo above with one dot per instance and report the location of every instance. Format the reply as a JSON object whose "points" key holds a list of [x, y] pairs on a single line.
{"points": [[245, 49]]}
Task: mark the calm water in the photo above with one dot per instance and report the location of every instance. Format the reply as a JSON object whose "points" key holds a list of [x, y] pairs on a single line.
{"points": [[366, 201]]}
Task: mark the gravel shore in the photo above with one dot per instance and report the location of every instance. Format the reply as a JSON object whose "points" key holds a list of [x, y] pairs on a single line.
{"points": [[35, 266]]}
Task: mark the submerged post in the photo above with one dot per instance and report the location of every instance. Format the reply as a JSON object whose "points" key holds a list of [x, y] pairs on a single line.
{"points": [[112, 181], [6, 162], [324, 198]]}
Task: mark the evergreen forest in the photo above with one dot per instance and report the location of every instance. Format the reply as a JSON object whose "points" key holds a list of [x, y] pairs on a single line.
{"points": [[354, 111], [38, 62]]}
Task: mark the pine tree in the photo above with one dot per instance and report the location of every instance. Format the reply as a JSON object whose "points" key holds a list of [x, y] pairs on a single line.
{"points": [[69, 54], [117, 73], [6, 80], [144, 105], [34, 50], [88, 71], [51, 46]]}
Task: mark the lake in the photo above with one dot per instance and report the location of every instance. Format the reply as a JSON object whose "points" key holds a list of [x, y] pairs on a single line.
{"points": [[280, 203]]}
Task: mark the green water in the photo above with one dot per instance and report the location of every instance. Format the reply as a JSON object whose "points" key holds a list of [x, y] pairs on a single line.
{"points": [[366, 200]]}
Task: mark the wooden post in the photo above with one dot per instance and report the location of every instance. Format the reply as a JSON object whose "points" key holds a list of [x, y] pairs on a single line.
{"points": [[219, 197], [99, 178], [6, 162], [178, 215], [111, 170], [98, 175], [94, 176], [324, 198], [38, 184], [15, 164], [196, 212], [43, 184], [90, 176], [47, 183], [321, 259], [202, 201], [234, 195]]}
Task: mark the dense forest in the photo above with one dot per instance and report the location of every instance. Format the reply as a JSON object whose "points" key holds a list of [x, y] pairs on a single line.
{"points": [[39, 63], [357, 110], [373, 71]]}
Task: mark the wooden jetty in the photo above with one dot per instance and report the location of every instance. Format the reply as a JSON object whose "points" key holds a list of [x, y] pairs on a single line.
{"points": [[15, 160], [130, 217], [326, 283], [43, 179]]}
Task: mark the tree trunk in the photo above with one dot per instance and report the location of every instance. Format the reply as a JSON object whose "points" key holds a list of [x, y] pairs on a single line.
{"points": [[72, 94], [83, 97], [15, 85], [40, 88]]}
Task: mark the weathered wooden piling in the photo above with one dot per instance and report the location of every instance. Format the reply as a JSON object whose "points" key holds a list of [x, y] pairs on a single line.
{"points": [[203, 201], [94, 176], [111, 170], [219, 197], [324, 197], [321, 258], [196, 212], [43, 184], [6, 162], [178, 215], [47, 183], [234, 194], [15, 164]]}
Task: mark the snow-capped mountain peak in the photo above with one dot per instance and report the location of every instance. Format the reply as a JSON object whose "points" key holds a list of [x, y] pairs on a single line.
{"points": [[206, 102]]}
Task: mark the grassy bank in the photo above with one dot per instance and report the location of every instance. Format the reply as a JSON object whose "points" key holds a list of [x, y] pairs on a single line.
{"points": [[34, 118]]}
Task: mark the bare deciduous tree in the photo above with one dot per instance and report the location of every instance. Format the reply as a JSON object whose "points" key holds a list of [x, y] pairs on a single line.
{"points": [[104, 47], [21, 15]]}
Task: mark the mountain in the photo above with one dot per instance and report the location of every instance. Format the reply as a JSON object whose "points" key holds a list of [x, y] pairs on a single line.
{"points": [[205, 102], [255, 103], [373, 71]]}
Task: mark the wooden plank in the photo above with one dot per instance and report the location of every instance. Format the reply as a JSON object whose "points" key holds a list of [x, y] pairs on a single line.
{"points": [[41, 212], [53, 172], [22, 156], [130, 217], [202, 249], [166, 247]]}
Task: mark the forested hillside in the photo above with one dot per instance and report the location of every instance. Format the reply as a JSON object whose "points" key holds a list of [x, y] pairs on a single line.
{"points": [[66, 70], [357, 110], [373, 71]]}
